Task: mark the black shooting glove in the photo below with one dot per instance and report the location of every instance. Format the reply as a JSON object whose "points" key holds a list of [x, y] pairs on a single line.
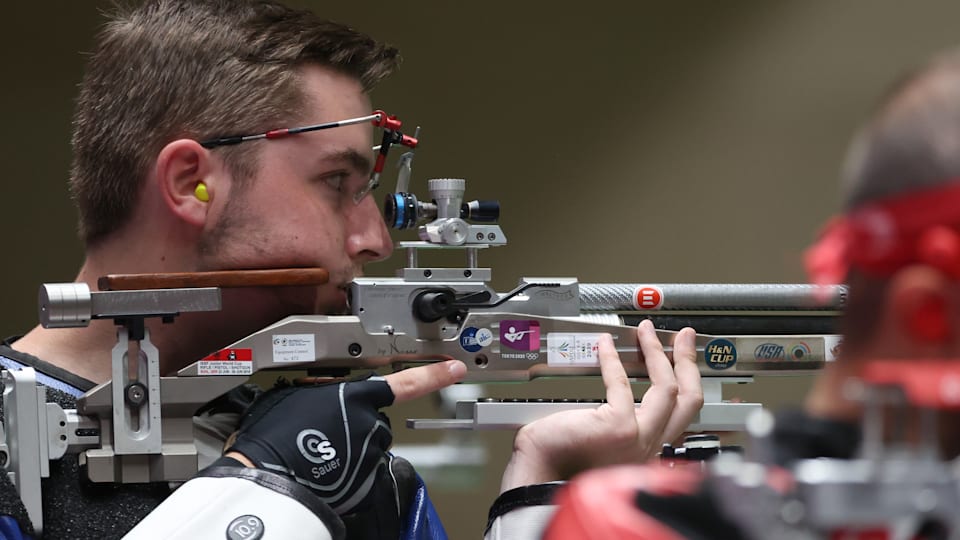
{"points": [[330, 438]]}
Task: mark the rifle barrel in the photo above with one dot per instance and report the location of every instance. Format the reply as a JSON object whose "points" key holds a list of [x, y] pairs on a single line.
{"points": [[710, 296]]}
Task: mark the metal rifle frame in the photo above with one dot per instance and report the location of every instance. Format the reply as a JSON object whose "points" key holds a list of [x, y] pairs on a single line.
{"points": [[139, 426]]}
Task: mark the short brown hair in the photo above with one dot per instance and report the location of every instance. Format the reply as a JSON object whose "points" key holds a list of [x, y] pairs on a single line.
{"points": [[196, 69], [912, 140]]}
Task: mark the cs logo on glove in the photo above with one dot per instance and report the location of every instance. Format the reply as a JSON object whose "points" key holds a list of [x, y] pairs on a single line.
{"points": [[315, 447]]}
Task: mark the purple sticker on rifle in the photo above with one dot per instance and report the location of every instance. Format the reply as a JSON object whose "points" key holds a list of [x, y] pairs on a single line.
{"points": [[520, 335]]}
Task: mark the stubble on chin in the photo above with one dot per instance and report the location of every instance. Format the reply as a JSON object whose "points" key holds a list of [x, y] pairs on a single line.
{"points": [[234, 228]]}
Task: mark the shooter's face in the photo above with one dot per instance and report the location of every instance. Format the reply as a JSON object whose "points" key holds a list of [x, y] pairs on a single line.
{"points": [[298, 209]]}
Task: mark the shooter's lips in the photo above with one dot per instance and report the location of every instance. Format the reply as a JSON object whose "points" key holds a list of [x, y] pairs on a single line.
{"points": [[341, 302]]}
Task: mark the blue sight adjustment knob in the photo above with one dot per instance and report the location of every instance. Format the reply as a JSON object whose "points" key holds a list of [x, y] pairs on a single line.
{"points": [[401, 210]]}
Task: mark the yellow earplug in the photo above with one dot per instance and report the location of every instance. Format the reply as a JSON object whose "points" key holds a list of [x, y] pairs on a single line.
{"points": [[201, 192]]}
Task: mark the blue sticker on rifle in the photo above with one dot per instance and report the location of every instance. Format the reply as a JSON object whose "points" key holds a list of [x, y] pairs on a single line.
{"points": [[473, 339], [720, 354]]}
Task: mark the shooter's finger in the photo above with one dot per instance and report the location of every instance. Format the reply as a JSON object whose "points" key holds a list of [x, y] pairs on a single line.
{"points": [[619, 392], [659, 400], [419, 381], [690, 389]]}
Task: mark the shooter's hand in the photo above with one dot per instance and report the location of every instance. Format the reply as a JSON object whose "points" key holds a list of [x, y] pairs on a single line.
{"points": [[560, 445], [332, 438]]}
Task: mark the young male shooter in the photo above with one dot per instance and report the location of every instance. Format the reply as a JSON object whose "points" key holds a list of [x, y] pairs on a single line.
{"points": [[164, 78]]}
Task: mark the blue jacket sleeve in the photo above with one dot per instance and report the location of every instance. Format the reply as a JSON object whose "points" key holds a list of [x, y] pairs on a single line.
{"points": [[10, 529], [423, 523]]}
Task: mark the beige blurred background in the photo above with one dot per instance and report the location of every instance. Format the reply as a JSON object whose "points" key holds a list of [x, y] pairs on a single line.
{"points": [[626, 141]]}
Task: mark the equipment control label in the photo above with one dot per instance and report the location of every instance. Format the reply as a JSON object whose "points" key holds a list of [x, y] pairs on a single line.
{"points": [[294, 348], [573, 349], [227, 362]]}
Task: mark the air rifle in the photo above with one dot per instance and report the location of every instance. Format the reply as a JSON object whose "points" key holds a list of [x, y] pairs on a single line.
{"points": [[139, 426]]}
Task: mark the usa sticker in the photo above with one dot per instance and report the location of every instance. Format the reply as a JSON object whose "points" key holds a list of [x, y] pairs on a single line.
{"points": [[647, 297], [473, 339], [770, 352], [294, 348], [227, 362], [720, 354], [573, 349]]}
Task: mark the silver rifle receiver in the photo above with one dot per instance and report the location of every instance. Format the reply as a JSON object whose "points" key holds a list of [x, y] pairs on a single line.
{"points": [[139, 426], [545, 327]]}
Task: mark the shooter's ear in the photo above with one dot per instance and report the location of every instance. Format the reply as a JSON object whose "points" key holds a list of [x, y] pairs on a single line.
{"points": [[187, 177]]}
